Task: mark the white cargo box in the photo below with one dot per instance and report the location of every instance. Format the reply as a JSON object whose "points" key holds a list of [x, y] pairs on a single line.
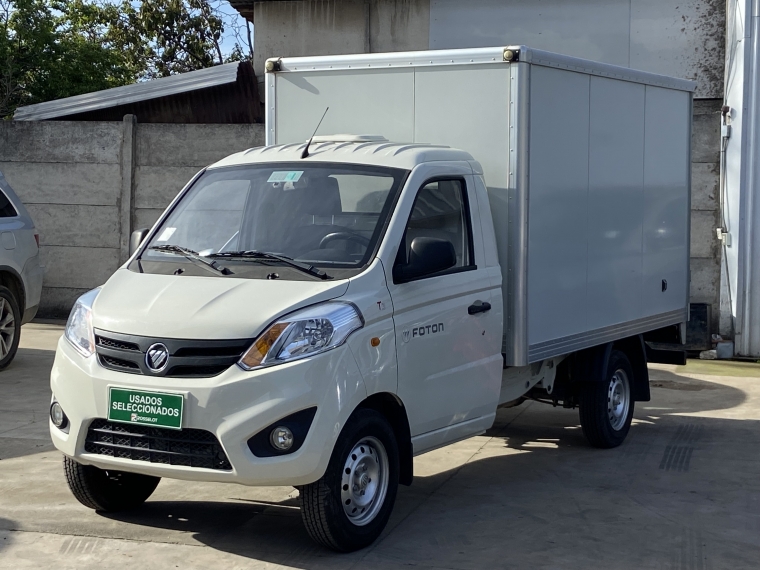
{"points": [[587, 166]]}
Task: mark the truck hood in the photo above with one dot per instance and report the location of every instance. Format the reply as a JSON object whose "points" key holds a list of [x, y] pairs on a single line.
{"points": [[190, 307]]}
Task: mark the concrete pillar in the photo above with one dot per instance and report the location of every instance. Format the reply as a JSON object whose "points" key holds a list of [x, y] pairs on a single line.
{"points": [[126, 199]]}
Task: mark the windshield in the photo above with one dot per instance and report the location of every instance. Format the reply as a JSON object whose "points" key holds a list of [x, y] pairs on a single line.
{"points": [[322, 214]]}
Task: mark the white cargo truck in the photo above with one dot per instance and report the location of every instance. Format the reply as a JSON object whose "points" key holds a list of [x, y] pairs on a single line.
{"points": [[317, 313]]}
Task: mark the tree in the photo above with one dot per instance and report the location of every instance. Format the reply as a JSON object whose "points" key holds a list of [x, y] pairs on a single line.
{"points": [[57, 48], [52, 50], [169, 36]]}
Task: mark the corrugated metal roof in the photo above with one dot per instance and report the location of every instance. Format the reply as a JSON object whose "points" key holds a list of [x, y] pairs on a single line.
{"points": [[182, 83]]}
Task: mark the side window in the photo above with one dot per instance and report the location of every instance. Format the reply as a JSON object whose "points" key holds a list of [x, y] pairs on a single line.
{"points": [[440, 211], [6, 208], [363, 194]]}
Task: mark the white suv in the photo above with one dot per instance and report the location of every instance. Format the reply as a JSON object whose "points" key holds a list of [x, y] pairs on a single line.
{"points": [[20, 271]]}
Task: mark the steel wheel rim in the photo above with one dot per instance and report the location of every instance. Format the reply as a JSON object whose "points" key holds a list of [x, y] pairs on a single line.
{"points": [[618, 399], [7, 328], [364, 482]]}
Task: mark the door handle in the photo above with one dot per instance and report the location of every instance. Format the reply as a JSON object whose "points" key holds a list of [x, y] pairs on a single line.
{"points": [[478, 307]]}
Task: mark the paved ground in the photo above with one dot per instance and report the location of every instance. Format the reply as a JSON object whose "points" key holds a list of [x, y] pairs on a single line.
{"points": [[682, 493]]}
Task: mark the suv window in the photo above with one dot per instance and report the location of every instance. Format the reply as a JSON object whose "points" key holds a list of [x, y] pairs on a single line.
{"points": [[440, 211], [6, 208]]}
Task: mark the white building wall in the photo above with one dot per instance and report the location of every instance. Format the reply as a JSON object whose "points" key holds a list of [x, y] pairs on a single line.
{"points": [[680, 38], [740, 287]]}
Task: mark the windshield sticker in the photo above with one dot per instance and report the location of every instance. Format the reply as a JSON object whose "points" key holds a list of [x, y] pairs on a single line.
{"points": [[285, 176], [166, 234]]}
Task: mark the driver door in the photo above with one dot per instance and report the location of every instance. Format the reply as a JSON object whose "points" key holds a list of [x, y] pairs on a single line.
{"points": [[448, 341]]}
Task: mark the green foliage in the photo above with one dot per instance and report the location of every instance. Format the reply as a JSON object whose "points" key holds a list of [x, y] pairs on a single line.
{"points": [[58, 48], [169, 36]]}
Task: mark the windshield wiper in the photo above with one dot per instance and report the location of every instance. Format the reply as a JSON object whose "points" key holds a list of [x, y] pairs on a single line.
{"points": [[194, 257], [253, 254]]}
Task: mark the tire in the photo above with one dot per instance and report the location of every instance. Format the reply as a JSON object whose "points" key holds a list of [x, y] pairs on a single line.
{"points": [[107, 490], [606, 406], [10, 327], [343, 518]]}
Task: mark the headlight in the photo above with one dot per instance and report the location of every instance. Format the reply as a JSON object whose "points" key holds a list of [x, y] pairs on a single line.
{"points": [[79, 326], [303, 333]]}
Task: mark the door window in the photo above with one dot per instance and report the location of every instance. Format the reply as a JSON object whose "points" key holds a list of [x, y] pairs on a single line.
{"points": [[6, 208], [441, 211]]}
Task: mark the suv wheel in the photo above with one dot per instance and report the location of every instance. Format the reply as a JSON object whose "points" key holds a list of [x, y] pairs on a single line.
{"points": [[10, 327]]}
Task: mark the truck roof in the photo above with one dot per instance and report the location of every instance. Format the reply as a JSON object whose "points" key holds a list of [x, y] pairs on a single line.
{"points": [[353, 149], [489, 55]]}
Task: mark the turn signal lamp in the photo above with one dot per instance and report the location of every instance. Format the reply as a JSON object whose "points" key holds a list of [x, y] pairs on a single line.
{"points": [[256, 354]]}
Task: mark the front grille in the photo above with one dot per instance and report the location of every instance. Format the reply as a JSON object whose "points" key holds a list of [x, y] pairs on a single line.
{"points": [[188, 358], [116, 363], [188, 447], [115, 344], [196, 351]]}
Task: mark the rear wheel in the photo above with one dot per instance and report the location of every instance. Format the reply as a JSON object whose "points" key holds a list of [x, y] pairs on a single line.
{"points": [[10, 327], [606, 407], [349, 506], [107, 490]]}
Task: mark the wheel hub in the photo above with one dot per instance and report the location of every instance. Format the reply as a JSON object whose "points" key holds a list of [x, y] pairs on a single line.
{"points": [[618, 399], [364, 481]]}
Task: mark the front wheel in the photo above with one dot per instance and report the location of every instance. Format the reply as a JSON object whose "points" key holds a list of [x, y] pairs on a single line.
{"points": [[349, 506], [107, 490], [606, 407]]}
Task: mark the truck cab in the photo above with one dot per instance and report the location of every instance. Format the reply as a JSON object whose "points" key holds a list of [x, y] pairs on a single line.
{"points": [[295, 308]]}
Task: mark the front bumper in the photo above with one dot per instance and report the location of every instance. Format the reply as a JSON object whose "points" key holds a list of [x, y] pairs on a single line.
{"points": [[233, 406]]}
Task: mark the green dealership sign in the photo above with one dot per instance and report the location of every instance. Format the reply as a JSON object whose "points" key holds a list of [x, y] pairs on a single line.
{"points": [[145, 408]]}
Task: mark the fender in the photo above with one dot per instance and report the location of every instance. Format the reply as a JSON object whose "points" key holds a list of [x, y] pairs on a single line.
{"points": [[590, 365], [19, 285], [394, 411], [635, 350]]}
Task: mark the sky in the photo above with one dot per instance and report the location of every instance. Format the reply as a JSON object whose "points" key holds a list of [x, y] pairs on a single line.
{"points": [[232, 20]]}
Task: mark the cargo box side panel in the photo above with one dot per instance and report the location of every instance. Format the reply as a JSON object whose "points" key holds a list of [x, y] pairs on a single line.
{"points": [[373, 101], [615, 203], [557, 204], [467, 107], [608, 210], [666, 201]]}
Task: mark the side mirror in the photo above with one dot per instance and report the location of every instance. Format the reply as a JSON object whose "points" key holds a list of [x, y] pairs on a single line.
{"points": [[426, 256], [136, 239]]}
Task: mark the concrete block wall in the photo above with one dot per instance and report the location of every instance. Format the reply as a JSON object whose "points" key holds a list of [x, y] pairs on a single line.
{"points": [[87, 185], [69, 177], [167, 156], [705, 206]]}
